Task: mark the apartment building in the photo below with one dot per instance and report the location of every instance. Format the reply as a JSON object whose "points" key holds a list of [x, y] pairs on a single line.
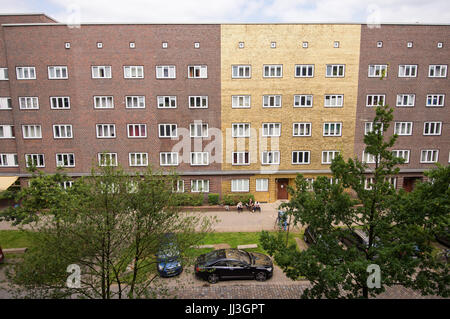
{"points": [[232, 108]]}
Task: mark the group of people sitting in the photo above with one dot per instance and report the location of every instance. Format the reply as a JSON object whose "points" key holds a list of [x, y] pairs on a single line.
{"points": [[251, 206]]}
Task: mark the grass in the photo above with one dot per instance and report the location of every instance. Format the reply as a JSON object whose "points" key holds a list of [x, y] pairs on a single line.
{"points": [[16, 238]]}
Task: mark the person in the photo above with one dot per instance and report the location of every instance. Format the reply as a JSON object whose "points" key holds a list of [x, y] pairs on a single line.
{"points": [[239, 207], [256, 207], [250, 204]]}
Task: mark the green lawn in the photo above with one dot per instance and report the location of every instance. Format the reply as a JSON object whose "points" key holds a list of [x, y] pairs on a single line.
{"points": [[15, 238]]}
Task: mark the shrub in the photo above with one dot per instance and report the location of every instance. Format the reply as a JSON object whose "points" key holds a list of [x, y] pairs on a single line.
{"points": [[233, 199], [213, 199], [188, 199]]}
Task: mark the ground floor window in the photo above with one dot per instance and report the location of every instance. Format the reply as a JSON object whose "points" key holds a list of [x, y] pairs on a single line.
{"points": [[240, 185]]}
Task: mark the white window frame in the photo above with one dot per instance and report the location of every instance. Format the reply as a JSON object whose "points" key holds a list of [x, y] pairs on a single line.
{"points": [[198, 72], [376, 70], [406, 100], [140, 126], [302, 69], [180, 186], [9, 160], [198, 101], [303, 100], [368, 158], [304, 154], [170, 99], [236, 71], [96, 71], [203, 183], [241, 101], [240, 130], [333, 100], [5, 103], [173, 130], [272, 71], [403, 128], [4, 75], [437, 98], [63, 131], [238, 158], [368, 127], [60, 102], [337, 129], [271, 129], [241, 185], [373, 100], [267, 99], [7, 131], [434, 156], [103, 102], [402, 154], [26, 129], [133, 71], [135, 101], [434, 68], [406, 70], [40, 158], [432, 128], [199, 158], [30, 71], [339, 68], [305, 127], [112, 156], [262, 184], [194, 127], [62, 158], [28, 102], [107, 130], [55, 69], [274, 155], [138, 159], [328, 156], [164, 158], [161, 70]]}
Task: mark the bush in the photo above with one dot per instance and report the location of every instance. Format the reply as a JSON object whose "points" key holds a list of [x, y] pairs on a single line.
{"points": [[188, 199], [213, 199], [233, 199]]}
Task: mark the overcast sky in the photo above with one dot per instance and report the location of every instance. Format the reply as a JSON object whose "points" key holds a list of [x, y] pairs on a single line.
{"points": [[235, 11]]}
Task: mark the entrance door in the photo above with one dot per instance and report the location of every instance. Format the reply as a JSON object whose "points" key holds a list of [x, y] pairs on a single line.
{"points": [[408, 183], [282, 188]]}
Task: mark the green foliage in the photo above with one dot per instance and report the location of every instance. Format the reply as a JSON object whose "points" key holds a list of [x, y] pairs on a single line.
{"points": [[213, 199], [233, 199], [188, 199]]}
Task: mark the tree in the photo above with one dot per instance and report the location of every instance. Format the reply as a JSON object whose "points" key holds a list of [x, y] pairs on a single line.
{"points": [[397, 239], [109, 224]]}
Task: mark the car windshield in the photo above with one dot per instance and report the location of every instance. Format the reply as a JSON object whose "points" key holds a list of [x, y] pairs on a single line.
{"points": [[168, 252], [215, 255], [237, 254]]}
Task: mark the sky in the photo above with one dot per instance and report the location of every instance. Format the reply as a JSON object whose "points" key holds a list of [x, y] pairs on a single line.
{"points": [[235, 11]]}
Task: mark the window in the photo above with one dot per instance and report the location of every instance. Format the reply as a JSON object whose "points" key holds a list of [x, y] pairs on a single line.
{"points": [[8, 160], [167, 102], [167, 130], [198, 129], [334, 100], [164, 45], [403, 128], [107, 159], [241, 158], [179, 186], [368, 182], [332, 129], [437, 71], [303, 100], [67, 45], [368, 158], [435, 99], [409, 45], [402, 154], [240, 185], [407, 71], [31, 131], [271, 129], [135, 102], [35, 160], [270, 157], [241, 45], [99, 45], [165, 72], [241, 71], [200, 185], [197, 71], [137, 130], [262, 184], [199, 158], [103, 102], [240, 130], [375, 99], [138, 159], [304, 70], [65, 160], [328, 156], [196, 45], [440, 45], [168, 158], [379, 44], [4, 74], [432, 128], [26, 73], [272, 101], [240, 101], [301, 129], [133, 72], [368, 127], [300, 157], [336, 44], [335, 70], [5, 103], [57, 72], [377, 70], [198, 102], [132, 45], [7, 131], [60, 102], [101, 72], [273, 71], [406, 100], [429, 156], [66, 184], [106, 130], [28, 103], [273, 45], [62, 131]]}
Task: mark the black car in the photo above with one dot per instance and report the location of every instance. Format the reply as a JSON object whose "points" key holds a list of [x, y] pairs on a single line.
{"points": [[357, 238], [233, 264], [310, 237]]}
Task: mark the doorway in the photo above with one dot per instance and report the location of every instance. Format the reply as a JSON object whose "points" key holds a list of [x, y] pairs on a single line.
{"points": [[408, 183], [282, 184]]}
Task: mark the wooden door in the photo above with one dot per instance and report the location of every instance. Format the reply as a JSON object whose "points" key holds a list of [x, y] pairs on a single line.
{"points": [[282, 189]]}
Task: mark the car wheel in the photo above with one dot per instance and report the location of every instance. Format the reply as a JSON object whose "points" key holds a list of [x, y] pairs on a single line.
{"points": [[213, 278], [261, 276]]}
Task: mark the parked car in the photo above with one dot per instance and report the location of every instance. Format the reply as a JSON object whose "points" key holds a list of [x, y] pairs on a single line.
{"points": [[357, 238], [168, 257], [444, 238], [233, 264], [310, 237], [2, 257]]}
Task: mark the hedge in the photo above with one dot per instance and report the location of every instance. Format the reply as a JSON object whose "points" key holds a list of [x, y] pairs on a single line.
{"points": [[213, 199], [233, 199]]}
